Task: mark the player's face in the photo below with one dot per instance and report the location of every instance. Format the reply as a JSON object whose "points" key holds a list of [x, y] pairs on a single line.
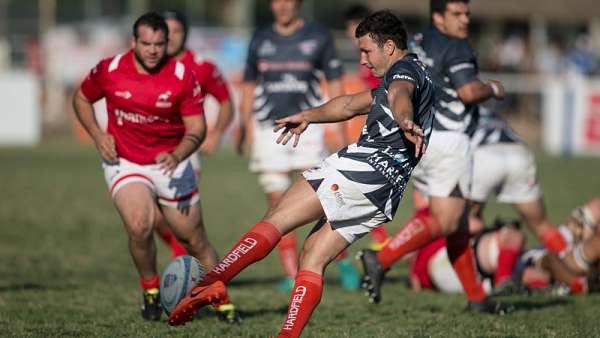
{"points": [[455, 21], [372, 56], [176, 37], [285, 11], [150, 48]]}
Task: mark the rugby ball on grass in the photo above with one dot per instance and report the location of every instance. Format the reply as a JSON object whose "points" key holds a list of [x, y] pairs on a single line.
{"points": [[178, 278]]}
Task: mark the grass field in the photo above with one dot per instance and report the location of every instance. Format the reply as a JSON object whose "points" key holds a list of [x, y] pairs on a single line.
{"points": [[65, 270]]}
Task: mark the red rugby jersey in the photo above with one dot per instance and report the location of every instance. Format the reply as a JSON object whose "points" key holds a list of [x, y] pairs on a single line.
{"points": [[208, 75], [144, 110]]}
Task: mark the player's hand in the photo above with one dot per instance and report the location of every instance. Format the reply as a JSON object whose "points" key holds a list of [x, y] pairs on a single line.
{"points": [[292, 126], [414, 134], [105, 143], [211, 143], [498, 89], [168, 162]]}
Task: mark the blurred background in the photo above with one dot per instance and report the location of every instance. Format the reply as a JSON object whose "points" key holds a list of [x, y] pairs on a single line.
{"points": [[547, 54]]}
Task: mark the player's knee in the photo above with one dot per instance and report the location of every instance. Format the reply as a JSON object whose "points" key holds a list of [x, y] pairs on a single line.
{"points": [[273, 182], [311, 261], [140, 229]]}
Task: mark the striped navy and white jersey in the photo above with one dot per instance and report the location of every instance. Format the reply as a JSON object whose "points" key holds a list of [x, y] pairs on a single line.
{"points": [[382, 160], [452, 64], [492, 129], [287, 70]]}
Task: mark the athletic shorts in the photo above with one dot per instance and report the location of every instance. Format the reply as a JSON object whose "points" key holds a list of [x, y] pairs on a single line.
{"points": [[179, 190], [268, 156], [445, 166], [348, 211], [507, 169]]}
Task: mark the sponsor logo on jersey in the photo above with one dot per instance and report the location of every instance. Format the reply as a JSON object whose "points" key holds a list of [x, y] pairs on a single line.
{"points": [[267, 48], [245, 246], [297, 299], [289, 84], [124, 94], [265, 66], [163, 100], [137, 118], [403, 77]]}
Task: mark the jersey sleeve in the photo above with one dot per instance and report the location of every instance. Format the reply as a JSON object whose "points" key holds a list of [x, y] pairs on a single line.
{"points": [[329, 62], [461, 64], [215, 84], [251, 69], [92, 85], [191, 101], [401, 71]]}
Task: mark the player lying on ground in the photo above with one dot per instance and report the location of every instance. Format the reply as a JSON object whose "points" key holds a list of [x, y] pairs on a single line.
{"points": [[431, 269], [353, 190], [576, 266]]}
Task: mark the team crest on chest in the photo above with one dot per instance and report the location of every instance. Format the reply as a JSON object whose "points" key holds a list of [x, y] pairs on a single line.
{"points": [[163, 100], [307, 47]]}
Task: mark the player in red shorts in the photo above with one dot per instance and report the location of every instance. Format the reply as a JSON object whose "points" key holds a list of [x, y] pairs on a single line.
{"points": [[155, 122]]}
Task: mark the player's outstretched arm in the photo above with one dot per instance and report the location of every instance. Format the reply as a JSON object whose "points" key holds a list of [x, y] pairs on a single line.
{"points": [[195, 131], [478, 91], [341, 108], [105, 143], [399, 96]]}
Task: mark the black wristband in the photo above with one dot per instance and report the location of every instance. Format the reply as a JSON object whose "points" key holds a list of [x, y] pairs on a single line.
{"points": [[193, 138]]}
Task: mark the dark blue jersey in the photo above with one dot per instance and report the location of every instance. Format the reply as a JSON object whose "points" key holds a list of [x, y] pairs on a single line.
{"points": [[492, 129], [452, 64], [287, 70], [383, 159]]}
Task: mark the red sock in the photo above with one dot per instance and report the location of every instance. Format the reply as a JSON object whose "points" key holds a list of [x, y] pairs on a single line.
{"points": [[578, 286], [253, 246], [507, 258], [150, 283], [553, 240], [380, 234], [305, 297], [460, 254], [420, 230], [537, 283], [288, 254], [176, 248]]}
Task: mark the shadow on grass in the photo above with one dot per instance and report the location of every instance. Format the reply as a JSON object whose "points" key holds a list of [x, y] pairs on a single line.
{"points": [[281, 310], [532, 305], [34, 287], [275, 280]]}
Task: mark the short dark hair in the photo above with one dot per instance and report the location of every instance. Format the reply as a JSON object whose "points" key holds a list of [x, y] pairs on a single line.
{"points": [[356, 12], [439, 6], [179, 17], [153, 20], [382, 26]]}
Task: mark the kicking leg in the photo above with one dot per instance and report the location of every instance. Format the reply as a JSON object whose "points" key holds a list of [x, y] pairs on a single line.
{"points": [[319, 250]]}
